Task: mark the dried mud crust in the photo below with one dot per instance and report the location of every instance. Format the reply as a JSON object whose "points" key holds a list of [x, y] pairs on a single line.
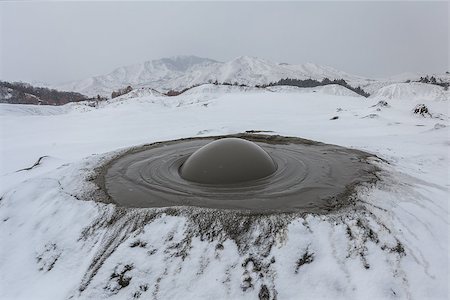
{"points": [[304, 163]]}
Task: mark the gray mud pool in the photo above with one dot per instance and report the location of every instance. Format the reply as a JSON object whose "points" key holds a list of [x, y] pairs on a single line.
{"points": [[297, 175]]}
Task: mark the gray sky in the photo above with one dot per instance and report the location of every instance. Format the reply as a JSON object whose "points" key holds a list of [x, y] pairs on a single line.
{"points": [[62, 41]]}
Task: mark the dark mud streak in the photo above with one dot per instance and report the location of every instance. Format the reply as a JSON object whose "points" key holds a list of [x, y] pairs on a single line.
{"points": [[119, 225], [306, 258], [37, 163], [48, 258], [120, 278], [258, 268], [264, 293], [158, 281], [142, 289], [364, 234], [258, 131], [138, 243]]}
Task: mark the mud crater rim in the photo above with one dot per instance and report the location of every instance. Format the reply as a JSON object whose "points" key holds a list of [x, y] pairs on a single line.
{"points": [[153, 172]]}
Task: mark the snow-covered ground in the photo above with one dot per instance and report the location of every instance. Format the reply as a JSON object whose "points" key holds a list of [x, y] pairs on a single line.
{"points": [[55, 245]]}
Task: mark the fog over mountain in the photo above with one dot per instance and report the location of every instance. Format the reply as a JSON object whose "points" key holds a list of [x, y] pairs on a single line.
{"points": [[371, 39]]}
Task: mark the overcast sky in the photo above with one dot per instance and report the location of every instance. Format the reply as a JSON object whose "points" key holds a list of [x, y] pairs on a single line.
{"points": [[56, 42]]}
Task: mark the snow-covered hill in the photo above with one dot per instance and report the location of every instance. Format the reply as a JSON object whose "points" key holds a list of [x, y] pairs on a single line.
{"points": [[412, 91], [150, 74]]}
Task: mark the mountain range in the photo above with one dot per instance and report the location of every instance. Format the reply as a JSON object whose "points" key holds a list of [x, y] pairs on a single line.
{"points": [[180, 72]]}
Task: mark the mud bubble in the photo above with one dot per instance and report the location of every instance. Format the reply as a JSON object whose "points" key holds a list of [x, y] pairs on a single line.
{"points": [[228, 160]]}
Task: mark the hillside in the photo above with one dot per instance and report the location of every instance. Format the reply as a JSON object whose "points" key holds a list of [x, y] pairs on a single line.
{"points": [[412, 91], [180, 72], [24, 93]]}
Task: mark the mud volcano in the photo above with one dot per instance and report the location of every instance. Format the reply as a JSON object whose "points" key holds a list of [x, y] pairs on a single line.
{"points": [[248, 172]]}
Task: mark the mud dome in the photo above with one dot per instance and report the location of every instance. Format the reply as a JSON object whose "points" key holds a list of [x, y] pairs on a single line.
{"points": [[310, 177], [228, 160]]}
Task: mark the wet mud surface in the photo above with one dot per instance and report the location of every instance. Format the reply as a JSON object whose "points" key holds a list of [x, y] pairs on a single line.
{"points": [[311, 177]]}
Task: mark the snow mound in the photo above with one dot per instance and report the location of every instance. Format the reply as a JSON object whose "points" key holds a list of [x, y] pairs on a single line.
{"points": [[141, 92], [219, 89], [412, 91], [331, 89], [30, 110], [18, 110]]}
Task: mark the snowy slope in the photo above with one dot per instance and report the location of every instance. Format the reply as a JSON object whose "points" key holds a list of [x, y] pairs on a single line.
{"points": [[220, 89], [411, 76], [7, 110], [55, 245], [331, 89], [373, 85]]}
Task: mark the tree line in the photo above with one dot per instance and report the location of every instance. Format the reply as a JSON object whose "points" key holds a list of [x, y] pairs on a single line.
{"points": [[309, 83], [433, 80], [305, 83]]}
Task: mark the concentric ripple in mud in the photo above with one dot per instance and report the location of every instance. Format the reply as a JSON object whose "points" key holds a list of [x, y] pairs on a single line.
{"points": [[310, 177]]}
